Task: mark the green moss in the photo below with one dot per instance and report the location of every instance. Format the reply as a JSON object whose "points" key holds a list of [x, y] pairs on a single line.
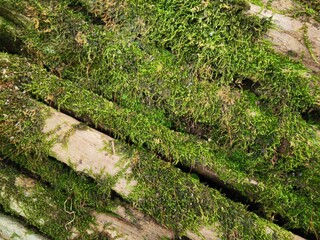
{"points": [[311, 8], [183, 74], [186, 149], [148, 81], [21, 121], [41, 206], [22, 140], [308, 44], [192, 31], [7, 40], [181, 202]]}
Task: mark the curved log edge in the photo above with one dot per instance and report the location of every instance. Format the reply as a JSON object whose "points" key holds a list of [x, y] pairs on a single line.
{"points": [[293, 37]]}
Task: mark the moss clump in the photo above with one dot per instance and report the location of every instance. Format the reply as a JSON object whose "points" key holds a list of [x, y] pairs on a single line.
{"points": [[312, 8], [21, 121], [182, 202], [218, 41]]}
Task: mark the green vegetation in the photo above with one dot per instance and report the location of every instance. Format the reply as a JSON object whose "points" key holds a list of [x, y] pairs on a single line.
{"points": [[21, 140], [48, 214], [189, 80], [275, 196], [176, 188], [312, 8]]}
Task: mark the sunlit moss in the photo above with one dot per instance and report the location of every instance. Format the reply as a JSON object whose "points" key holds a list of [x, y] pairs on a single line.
{"points": [[184, 75], [178, 146]]}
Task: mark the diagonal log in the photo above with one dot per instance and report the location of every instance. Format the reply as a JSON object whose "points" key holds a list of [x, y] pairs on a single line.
{"points": [[157, 188], [111, 146], [234, 176], [18, 192], [87, 150], [11, 228], [293, 37]]}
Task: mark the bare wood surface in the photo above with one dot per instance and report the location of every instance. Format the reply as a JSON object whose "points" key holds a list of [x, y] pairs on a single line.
{"points": [[12, 229], [87, 150], [290, 36], [130, 224]]}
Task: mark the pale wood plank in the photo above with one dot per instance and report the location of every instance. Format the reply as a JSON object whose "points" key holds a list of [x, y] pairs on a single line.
{"points": [[87, 150], [288, 36], [12, 229]]}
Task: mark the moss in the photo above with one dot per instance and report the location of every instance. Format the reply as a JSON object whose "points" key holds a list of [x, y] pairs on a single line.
{"points": [[39, 205], [310, 8], [163, 72], [180, 147], [179, 201], [8, 42], [192, 29], [164, 91], [308, 44], [21, 121], [22, 140], [167, 98]]}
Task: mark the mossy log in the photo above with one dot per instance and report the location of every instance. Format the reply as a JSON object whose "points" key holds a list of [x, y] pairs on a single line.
{"points": [[100, 112], [292, 37], [42, 207], [157, 188], [27, 198], [282, 144], [13, 229], [288, 36], [72, 98]]}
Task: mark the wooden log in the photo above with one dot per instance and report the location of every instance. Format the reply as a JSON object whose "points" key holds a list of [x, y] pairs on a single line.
{"points": [[165, 193], [84, 145], [37, 204], [289, 36], [104, 157], [293, 37], [27, 198], [233, 176], [11, 228]]}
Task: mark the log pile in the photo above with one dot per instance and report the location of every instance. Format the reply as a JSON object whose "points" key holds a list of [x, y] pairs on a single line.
{"points": [[148, 90]]}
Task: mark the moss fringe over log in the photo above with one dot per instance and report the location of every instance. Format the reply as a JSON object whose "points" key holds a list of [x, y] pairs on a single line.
{"points": [[40, 206], [172, 197], [161, 140], [190, 87]]}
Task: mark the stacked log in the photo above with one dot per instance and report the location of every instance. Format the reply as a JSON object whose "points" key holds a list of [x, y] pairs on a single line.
{"points": [[140, 178], [231, 113]]}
